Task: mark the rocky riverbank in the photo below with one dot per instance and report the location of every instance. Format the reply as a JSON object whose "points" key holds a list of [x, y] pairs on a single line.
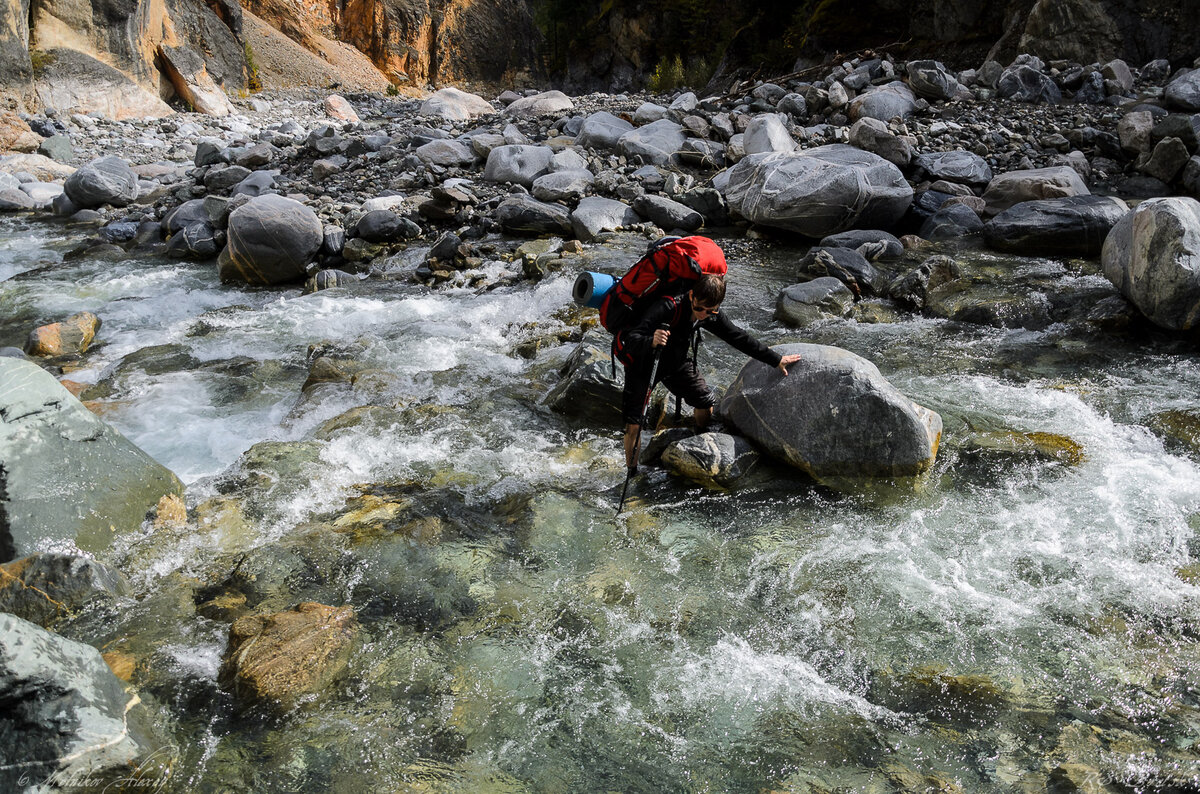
{"points": [[902, 183]]}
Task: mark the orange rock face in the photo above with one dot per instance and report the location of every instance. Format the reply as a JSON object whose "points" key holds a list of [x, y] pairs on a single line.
{"points": [[15, 135], [73, 335]]}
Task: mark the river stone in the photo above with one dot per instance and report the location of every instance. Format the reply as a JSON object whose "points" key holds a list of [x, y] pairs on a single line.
{"points": [[1184, 92], [602, 130], [648, 113], [16, 201], [667, 214], [767, 133], [73, 335], [448, 153], [873, 135], [257, 183], [586, 386], [271, 241], [453, 104], [45, 588], [834, 415], [220, 179], [715, 460], [518, 164], [68, 476], [951, 222], [105, 180], [563, 185], [279, 659], [543, 104], [874, 245], [802, 305], [657, 143], [960, 167], [198, 241], [1178, 125], [1167, 159], [884, 103], [383, 226], [932, 80], [66, 717], [818, 192], [184, 215], [1023, 83], [525, 214], [845, 264], [1152, 256], [1014, 187], [1070, 226], [595, 214], [57, 147]]}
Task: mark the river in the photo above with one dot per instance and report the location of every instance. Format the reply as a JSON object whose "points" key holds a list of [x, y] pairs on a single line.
{"points": [[1020, 614]]}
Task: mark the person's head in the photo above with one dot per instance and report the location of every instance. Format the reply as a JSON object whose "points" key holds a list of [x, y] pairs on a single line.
{"points": [[706, 296]]}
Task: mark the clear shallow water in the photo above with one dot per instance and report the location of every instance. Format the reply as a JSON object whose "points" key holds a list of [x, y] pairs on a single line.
{"points": [[1015, 613]]}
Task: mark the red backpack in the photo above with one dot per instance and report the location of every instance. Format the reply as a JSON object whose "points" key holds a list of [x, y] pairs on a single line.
{"points": [[670, 267]]}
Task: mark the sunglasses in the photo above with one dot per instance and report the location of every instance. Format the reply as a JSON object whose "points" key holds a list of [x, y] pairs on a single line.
{"points": [[706, 310]]}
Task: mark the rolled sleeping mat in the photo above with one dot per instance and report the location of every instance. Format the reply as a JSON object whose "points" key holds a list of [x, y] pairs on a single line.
{"points": [[590, 288]]}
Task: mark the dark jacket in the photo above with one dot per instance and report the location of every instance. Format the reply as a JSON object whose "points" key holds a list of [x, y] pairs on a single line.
{"points": [[677, 315]]}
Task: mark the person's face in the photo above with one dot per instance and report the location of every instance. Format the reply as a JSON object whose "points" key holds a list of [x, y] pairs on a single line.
{"points": [[701, 310]]}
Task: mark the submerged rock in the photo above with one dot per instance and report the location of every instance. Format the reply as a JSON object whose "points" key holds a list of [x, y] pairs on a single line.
{"points": [[67, 476], [280, 659], [73, 335], [802, 305], [833, 416], [45, 588], [1070, 226], [716, 460], [587, 386]]}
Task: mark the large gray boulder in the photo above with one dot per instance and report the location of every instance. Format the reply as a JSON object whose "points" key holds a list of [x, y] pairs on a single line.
{"points": [[595, 214], [873, 135], [66, 477], [833, 416], [568, 185], [542, 104], [932, 80], [1024, 83], [105, 180], [1070, 226], [453, 104], [1031, 184], [818, 192], [447, 153], [66, 717], [884, 103], [802, 305], [1152, 255], [767, 133], [518, 163], [586, 387], [657, 143], [602, 130], [961, 167], [667, 214], [526, 215], [1184, 91], [271, 240]]}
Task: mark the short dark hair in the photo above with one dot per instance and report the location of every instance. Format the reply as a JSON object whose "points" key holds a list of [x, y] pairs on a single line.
{"points": [[709, 290]]}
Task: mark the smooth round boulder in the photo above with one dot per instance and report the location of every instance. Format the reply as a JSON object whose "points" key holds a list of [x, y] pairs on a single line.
{"points": [[563, 185], [1152, 256], [271, 240], [519, 164], [667, 214], [818, 192], [525, 214], [1030, 184], [453, 104], [543, 104], [767, 133], [960, 167], [932, 80], [596, 214], [802, 305], [602, 130], [447, 153], [383, 226], [833, 416], [1070, 226], [874, 245], [884, 103], [105, 180], [951, 221], [657, 143], [715, 460]]}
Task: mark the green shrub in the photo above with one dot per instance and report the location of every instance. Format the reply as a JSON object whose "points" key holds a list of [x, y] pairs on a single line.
{"points": [[253, 78]]}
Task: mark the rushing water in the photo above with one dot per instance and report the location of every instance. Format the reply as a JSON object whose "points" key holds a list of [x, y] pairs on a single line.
{"points": [[1018, 616]]}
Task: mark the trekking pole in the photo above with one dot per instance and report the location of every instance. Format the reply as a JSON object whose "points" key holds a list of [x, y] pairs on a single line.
{"points": [[645, 404]]}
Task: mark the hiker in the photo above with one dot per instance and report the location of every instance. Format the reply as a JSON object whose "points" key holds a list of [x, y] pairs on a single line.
{"points": [[682, 317]]}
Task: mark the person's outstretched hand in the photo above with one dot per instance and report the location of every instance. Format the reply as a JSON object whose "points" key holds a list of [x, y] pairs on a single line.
{"points": [[787, 361]]}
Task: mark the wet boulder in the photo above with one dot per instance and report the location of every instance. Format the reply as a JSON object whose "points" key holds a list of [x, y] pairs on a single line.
{"points": [[384, 226], [278, 659], [66, 717], [602, 130], [518, 164], [45, 588], [874, 245], [1152, 255], [845, 264], [833, 416], [198, 241], [105, 180], [271, 240], [587, 386], [68, 476], [73, 335], [715, 460], [951, 221], [657, 143], [1070, 226], [453, 104], [818, 192], [802, 305], [1013, 187]]}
